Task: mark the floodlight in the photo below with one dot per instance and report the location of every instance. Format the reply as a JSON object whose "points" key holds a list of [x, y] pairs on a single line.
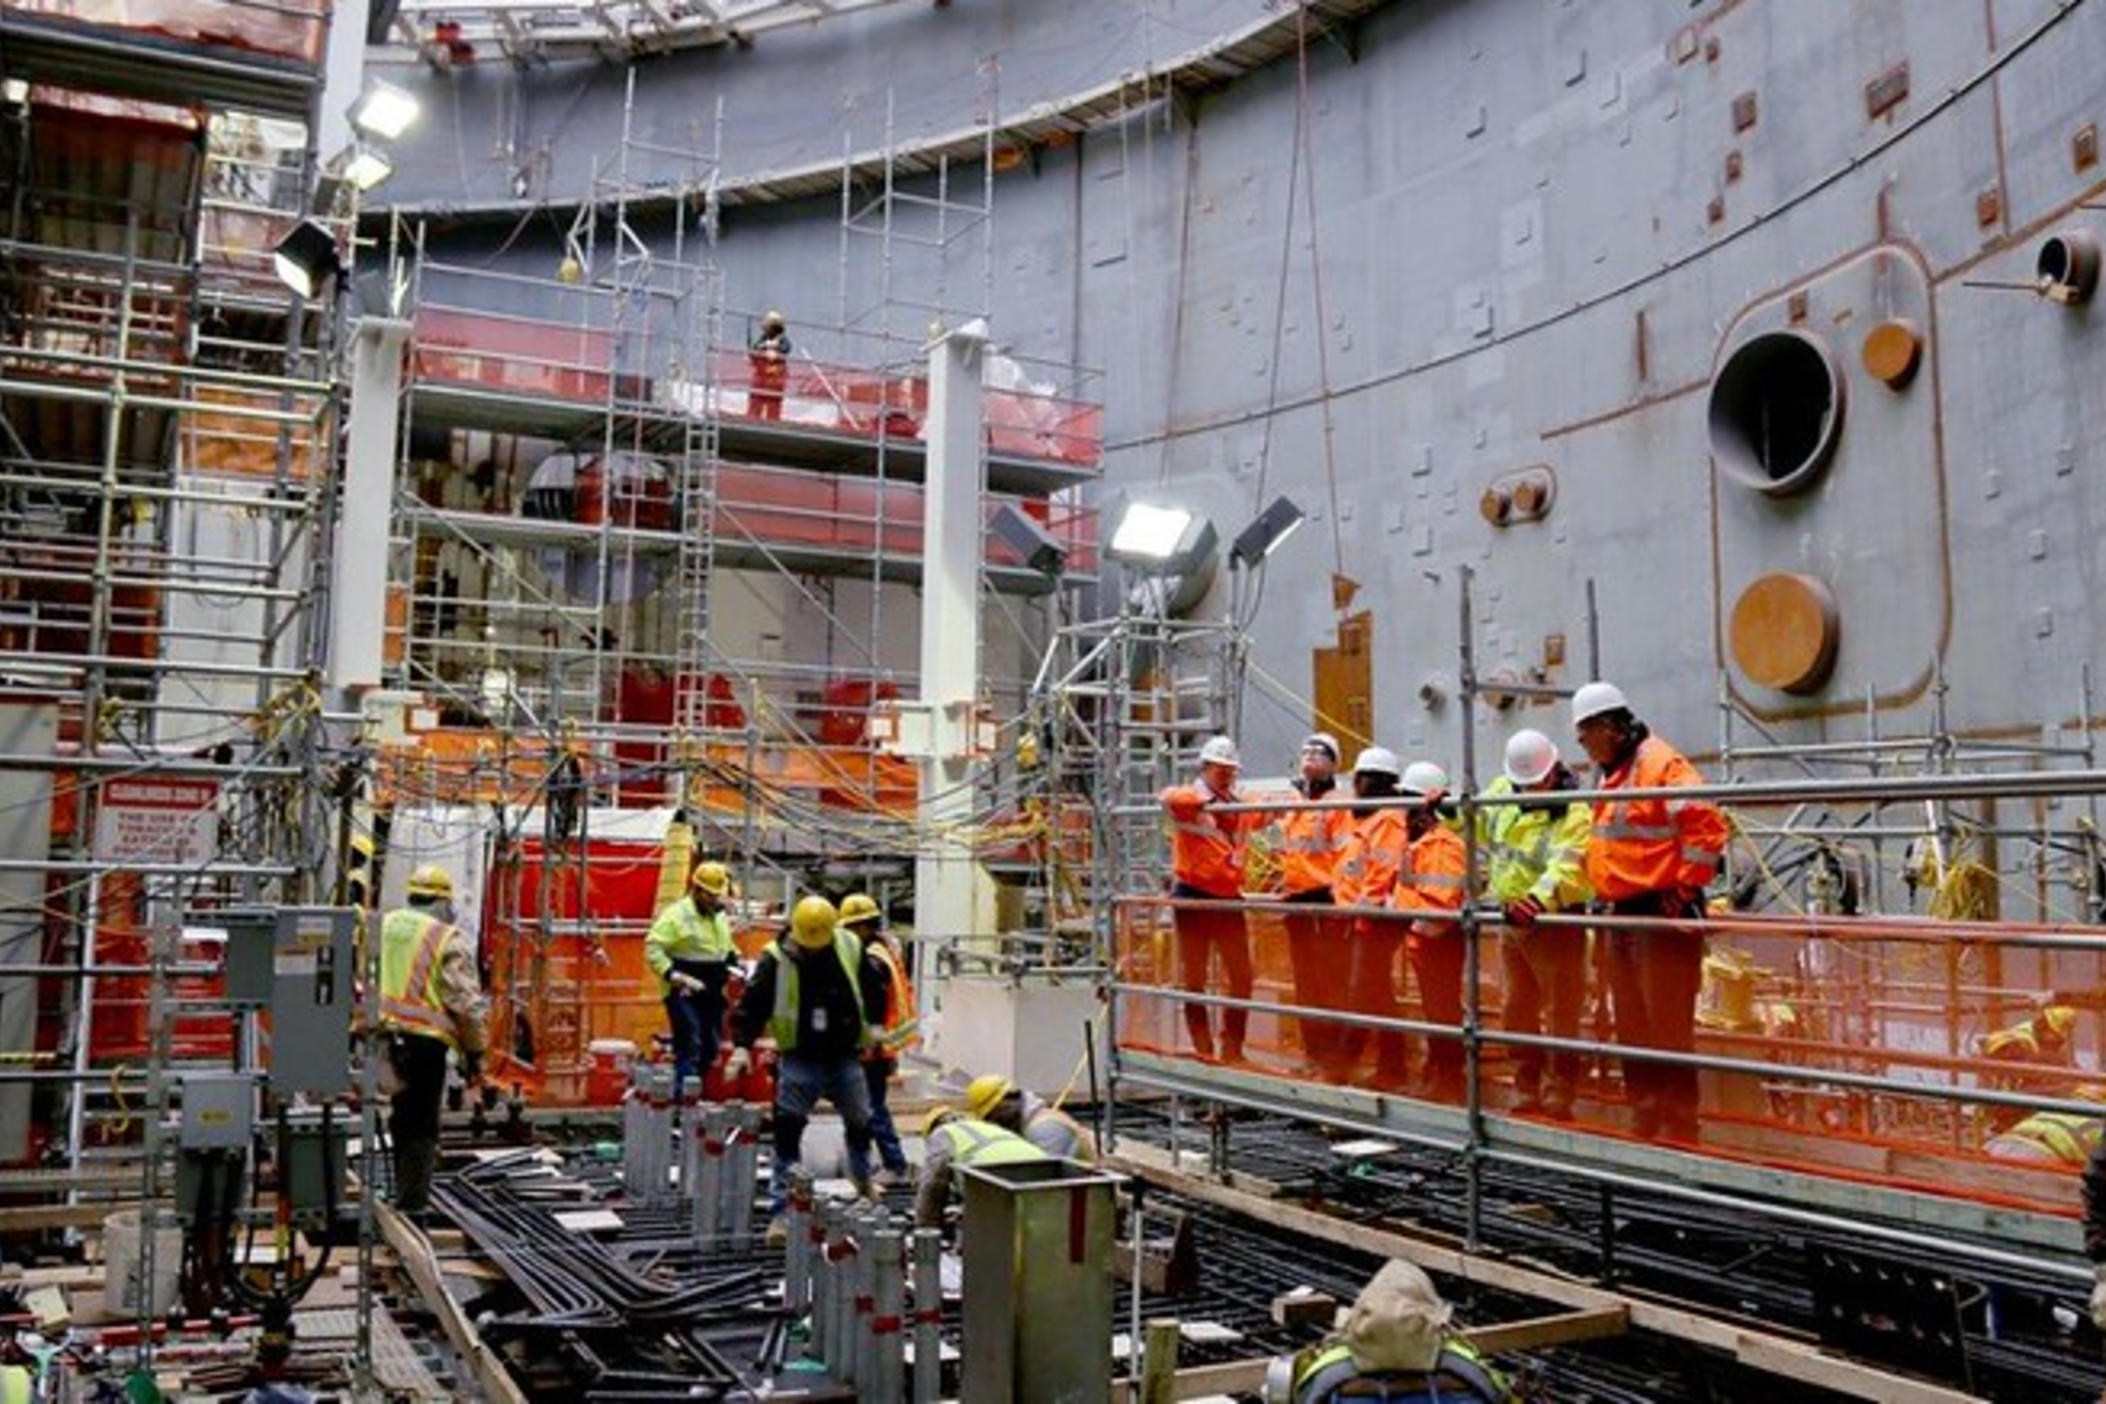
{"points": [[366, 167], [1263, 536], [384, 111], [306, 258], [1161, 540], [14, 92], [1031, 542]]}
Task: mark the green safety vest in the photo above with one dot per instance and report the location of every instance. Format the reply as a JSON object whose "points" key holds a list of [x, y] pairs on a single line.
{"points": [[782, 1020], [17, 1385], [1535, 851], [2065, 1135], [410, 944], [982, 1143], [1319, 1380], [682, 933]]}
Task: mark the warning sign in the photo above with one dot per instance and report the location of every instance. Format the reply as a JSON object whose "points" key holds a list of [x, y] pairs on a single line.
{"points": [[158, 823]]}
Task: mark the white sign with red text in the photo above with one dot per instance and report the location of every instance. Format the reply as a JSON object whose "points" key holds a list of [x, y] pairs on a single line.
{"points": [[158, 823]]}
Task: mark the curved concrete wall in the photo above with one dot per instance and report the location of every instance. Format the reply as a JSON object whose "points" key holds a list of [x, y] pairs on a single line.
{"points": [[1539, 228]]}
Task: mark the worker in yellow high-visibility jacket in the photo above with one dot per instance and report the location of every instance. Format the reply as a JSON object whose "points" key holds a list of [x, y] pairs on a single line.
{"points": [[431, 1005], [690, 950]]}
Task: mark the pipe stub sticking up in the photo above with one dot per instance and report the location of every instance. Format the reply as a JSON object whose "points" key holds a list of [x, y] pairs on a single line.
{"points": [[1776, 411]]}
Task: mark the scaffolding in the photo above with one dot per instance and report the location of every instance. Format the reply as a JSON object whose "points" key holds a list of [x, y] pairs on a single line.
{"points": [[165, 499], [594, 464]]}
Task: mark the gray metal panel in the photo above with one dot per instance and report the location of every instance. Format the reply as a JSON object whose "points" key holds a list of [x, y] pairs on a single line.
{"points": [[311, 1004]]}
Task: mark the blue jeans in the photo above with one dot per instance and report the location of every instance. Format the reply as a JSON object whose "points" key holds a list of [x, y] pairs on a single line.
{"points": [[696, 1020], [878, 1073], [800, 1085]]}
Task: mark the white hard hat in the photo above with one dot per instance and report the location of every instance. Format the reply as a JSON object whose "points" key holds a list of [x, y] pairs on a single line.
{"points": [[1323, 740], [1597, 698], [1378, 760], [1425, 778], [1530, 755], [1220, 750]]}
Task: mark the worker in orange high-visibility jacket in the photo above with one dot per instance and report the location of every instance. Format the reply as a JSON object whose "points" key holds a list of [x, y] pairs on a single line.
{"points": [[1650, 858], [899, 1031], [431, 1005], [1206, 865], [1432, 879], [1310, 842], [1366, 875]]}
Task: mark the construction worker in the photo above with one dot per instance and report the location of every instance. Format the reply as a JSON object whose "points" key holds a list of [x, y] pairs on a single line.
{"points": [[952, 1140], [1311, 840], [1432, 878], [1649, 859], [769, 360], [2050, 1138], [996, 1100], [690, 950], [431, 1004], [899, 1031], [1366, 875], [815, 994], [1394, 1345], [1536, 862], [1206, 865], [2095, 1228], [2041, 1041]]}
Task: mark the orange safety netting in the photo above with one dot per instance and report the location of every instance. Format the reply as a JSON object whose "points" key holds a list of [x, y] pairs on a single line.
{"points": [[1904, 1000]]}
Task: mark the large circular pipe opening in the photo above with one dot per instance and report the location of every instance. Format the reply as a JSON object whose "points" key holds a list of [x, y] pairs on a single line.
{"points": [[1776, 411], [2067, 267]]}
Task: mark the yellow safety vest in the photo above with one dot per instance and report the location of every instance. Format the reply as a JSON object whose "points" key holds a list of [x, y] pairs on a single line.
{"points": [[1535, 852], [2064, 1135], [981, 1143], [410, 946], [682, 933], [1322, 1375], [17, 1385], [782, 1019]]}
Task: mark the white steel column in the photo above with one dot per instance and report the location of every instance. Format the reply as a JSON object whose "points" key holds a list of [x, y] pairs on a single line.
{"points": [[358, 586], [950, 643]]}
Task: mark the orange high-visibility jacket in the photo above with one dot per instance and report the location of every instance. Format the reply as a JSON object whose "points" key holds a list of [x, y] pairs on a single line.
{"points": [[1643, 846], [1433, 876], [1311, 842], [1373, 855], [1206, 847], [902, 1027]]}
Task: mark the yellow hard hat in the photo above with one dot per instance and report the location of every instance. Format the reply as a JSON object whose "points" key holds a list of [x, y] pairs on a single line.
{"points": [[936, 1117], [430, 880], [857, 906], [713, 879], [812, 922], [2058, 1019], [985, 1092]]}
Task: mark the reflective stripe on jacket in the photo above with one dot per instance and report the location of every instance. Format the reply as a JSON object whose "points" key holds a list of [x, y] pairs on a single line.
{"points": [[1433, 875], [982, 1143], [1374, 854], [412, 944], [1459, 1367], [1311, 843], [2066, 1136], [1540, 853], [681, 932], [1639, 847], [902, 1027], [782, 1018], [1206, 848]]}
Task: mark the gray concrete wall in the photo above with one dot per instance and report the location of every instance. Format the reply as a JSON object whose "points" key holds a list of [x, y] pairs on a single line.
{"points": [[1503, 190]]}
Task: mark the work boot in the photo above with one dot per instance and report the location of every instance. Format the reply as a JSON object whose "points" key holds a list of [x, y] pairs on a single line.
{"points": [[865, 1189], [778, 1232], [414, 1163]]}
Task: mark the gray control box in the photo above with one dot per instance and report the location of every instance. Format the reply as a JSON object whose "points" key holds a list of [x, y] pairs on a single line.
{"points": [[312, 970]]}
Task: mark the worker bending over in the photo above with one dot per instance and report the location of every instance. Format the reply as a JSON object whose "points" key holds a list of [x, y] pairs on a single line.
{"points": [[2041, 1041], [1366, 875], [815, 994], [690, 950], [1311, 840], [1393, 1345], [1650, 858], [996, 1100], [1206, 865], [951, 1140], [1536, 863], [431, 1004], [894, 1035], [1432, 878]]}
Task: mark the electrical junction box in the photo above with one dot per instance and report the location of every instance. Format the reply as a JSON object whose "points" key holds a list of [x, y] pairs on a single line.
{"points": [[312, 970], [311, 1166], [218, 1111], [251, 940]]}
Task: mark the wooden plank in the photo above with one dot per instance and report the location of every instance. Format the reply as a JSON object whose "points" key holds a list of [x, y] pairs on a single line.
{"points": [[1543, 1332], [1159, 1363], [1779, 1355], [409, 1245], [27, 1218]]}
